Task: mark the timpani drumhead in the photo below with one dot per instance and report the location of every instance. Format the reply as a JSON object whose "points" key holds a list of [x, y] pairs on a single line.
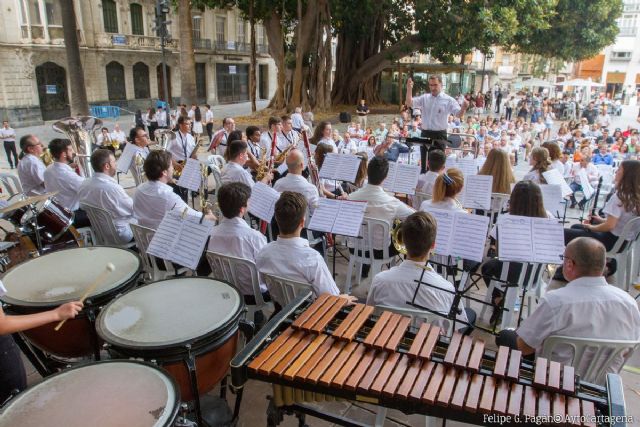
{"points": [[168, 312], [64, 276], [114, 393]]}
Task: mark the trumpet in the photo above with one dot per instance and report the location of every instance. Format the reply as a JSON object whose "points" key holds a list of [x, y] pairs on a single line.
{"points": [[396, 237]]}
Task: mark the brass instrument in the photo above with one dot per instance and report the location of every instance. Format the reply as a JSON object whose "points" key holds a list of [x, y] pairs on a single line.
{"points": [[46, 157], [396, 237], [163, 137], [263, 167], [282, 156], [205, 205], [179, 165], [138, 164], [81, 132]]}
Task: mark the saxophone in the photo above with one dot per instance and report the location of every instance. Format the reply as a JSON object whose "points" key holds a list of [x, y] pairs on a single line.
{"points": [[262, 168], [282, 156]]}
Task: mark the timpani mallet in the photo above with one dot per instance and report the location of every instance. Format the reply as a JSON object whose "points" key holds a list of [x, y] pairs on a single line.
{"points": [[110, 268]]}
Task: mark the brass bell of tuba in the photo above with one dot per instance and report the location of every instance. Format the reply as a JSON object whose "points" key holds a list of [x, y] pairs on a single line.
{"points": [[81, 132], [164, 137]]}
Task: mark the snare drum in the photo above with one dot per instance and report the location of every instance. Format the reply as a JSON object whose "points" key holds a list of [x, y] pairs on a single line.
{"points": [[174, 321], [44, 283], [53, 219], [105, 394]]}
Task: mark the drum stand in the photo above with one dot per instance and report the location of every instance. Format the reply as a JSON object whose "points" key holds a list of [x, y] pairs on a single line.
{"points": [[36, 229]]}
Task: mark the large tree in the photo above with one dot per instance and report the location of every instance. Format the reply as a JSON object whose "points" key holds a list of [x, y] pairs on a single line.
{"points": [[187, 55], [79, 104]]}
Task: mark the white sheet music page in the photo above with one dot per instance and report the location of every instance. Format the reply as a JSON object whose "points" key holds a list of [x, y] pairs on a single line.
{"points": [[387, 184], [329, 166], [468, 166], [347, 170], [548, 245], [282, 168], [324, 216], [191, 175], [166, 235], [406, 178], [262, 201], [552, 198], [469, 236], [126, 157], [515, 242], [587, 189], [553, 177], [190, 244], [349, 218], [477, 191], [444, 223]]}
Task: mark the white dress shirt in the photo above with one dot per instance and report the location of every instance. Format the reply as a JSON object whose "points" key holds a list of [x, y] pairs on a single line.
{"points": [[31, 174], [396, 286], [591, 170], [293, 259], [7, 135], [435, 110], [183, 144], [448, 204], [615, 209], [222, 135], [297, 121], [298, 184], [152, 200], [103, 191], [381, 205], [234, 237], [587, 307], [349, 147], [427, 180], [120, 136], [208, 117], [233, 172], [61, 178], [266, 139], [533, 176], [285, 139]]}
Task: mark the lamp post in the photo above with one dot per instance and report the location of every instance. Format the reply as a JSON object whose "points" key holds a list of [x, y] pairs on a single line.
{"points": [[162, 9]]}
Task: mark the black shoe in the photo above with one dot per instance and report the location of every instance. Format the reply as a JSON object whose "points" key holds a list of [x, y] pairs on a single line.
{"points": [[573, 205], [581, 204]]}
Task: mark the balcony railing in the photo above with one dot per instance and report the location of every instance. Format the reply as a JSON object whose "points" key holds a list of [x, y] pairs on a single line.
{"points": [[132, 41], [631, 7], [628, 32], [202, 44]]}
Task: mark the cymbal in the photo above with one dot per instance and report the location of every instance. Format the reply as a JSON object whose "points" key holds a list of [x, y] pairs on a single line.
{"points": [[26, 202]]}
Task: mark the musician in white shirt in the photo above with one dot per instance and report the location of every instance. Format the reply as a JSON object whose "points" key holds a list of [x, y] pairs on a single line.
{"points": [[266, 139], [183, 147], [290, 256], [288, 136], [219, 139], [587, 307], [234, 237], [437, 163], [294, 181], [347, 145], [119, 135], [446, 189], [234, 170], [397, 285], [103, 191], [592, 176], [31, 169], [104, 139], [60, 177]]}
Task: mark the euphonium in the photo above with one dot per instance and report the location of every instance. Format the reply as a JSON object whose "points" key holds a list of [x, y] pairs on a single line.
{"points": [[396, 237], [46, 157], [81, 132]]}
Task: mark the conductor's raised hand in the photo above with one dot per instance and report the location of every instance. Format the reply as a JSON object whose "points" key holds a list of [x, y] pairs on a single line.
{"points": [[68, 310], [410, 83]]}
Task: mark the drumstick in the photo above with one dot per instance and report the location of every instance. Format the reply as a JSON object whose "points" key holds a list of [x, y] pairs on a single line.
{"points": [[91, 288]]}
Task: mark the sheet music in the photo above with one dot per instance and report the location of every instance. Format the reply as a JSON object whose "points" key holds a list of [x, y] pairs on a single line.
{"points": [[477, 191], [262, 201], [387, 184], [349, 218], [467, 165], [469, 236], [402, 178], [587, 189], [191, 175], [444, 224], [282, 168], [348, 166], [329, 166], [126, 157], [515, 242], [324, 216], [552, 198], [553, 177], [548, 245], [165, 236]]}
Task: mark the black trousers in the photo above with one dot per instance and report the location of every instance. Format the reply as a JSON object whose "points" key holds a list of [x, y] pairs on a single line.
{"points": [[10, 149], [209, 128], [438, 138], [12, 373], [607, 238], [80, 219], [508, 113]]}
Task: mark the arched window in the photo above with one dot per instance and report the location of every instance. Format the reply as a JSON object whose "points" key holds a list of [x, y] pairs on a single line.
{"points": [[115, 81], [110, 16], [141, 81], [137, 26]]}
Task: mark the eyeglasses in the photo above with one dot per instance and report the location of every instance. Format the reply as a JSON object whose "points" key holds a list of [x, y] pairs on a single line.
{"points": [[564, 257]]}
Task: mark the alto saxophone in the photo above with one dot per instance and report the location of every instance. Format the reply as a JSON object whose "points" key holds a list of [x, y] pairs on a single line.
{"points": [[263, 168], [282, 156]]}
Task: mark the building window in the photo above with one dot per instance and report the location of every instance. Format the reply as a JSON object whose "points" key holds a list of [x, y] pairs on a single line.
{"points": [[196, 22], [241, 36], [34, 12], [201, 80], [260, 35], [115, 81], [53, 13], [221, 24], [141, 81], [621, 55], [137, 26], [110, 16]]}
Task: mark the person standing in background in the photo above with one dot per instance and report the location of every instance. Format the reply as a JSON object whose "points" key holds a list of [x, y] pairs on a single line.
{"points": [[8, 137], [362, 111]]}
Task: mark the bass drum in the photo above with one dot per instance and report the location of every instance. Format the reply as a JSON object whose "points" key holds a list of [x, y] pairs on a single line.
{"points": [[44, 283], [172, 320], [105, 394], [53, 219]]}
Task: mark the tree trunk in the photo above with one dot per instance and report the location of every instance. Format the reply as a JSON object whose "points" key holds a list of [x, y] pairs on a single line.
{"points": [[307, 29], [79, 104], [187, 56], [273, 29], [252, 65]]}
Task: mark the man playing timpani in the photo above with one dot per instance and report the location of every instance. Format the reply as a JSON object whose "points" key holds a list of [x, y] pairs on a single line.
{"points": [[587, 307], [396, 286]]}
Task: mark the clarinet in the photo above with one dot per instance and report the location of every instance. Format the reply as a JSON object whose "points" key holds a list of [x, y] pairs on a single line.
{"points": [[313, 169], [595, 202]]}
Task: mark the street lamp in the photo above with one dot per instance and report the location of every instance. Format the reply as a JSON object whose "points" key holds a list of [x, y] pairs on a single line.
{"points": [[161, 28]]}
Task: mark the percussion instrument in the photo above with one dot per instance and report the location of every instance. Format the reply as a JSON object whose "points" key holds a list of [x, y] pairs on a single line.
{"points": [[189, 326], [23, 249], [53, 219], [26, 202], [112, 393], [349, 352], [46, 282]]}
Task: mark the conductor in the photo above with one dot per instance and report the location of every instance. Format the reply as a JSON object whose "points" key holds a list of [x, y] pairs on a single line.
{"points": [[435, 107]]}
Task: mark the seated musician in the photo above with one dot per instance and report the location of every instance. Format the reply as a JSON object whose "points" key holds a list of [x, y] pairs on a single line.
{"points": [[61, 177], [587, 307], [396, 286], [446, 188], [290, 256], [253, 145], [436, 162], [287, 135], [266, 139], [30, 168], [294, 181], [234, 170], [234, 237], [103, 191], [380, 205], [12, 372], [155, 197], [139, 137]]}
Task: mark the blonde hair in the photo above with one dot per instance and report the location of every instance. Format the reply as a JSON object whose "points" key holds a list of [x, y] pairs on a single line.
{"points": [[498, 166], [448, 184]]}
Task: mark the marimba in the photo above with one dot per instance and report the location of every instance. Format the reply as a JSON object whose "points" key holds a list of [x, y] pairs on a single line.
{"points": [[350, 352]]}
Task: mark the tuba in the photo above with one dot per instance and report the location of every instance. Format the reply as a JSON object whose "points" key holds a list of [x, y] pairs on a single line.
{"points": [[164, 137], [81, 132]]}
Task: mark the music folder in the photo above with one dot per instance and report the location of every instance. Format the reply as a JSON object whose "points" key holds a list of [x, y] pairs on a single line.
{"points": [[342, 217], [263, 201], [526, 239], [402, 178]]}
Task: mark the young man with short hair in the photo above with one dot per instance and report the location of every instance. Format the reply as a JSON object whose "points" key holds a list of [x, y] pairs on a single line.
{"points": [[234, 170], [219, 139]]}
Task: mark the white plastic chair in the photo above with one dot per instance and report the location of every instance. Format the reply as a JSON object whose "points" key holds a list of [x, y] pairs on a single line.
{"points": [[592, 357], [142, 236], [315, 240], [363, 250], [103, 227], [419, 197], [624, 273], [11, 183], [227, 267], [283, 290]]}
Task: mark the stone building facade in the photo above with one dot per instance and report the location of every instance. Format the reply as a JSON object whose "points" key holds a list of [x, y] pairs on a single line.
{"points": [[121, 57]]}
